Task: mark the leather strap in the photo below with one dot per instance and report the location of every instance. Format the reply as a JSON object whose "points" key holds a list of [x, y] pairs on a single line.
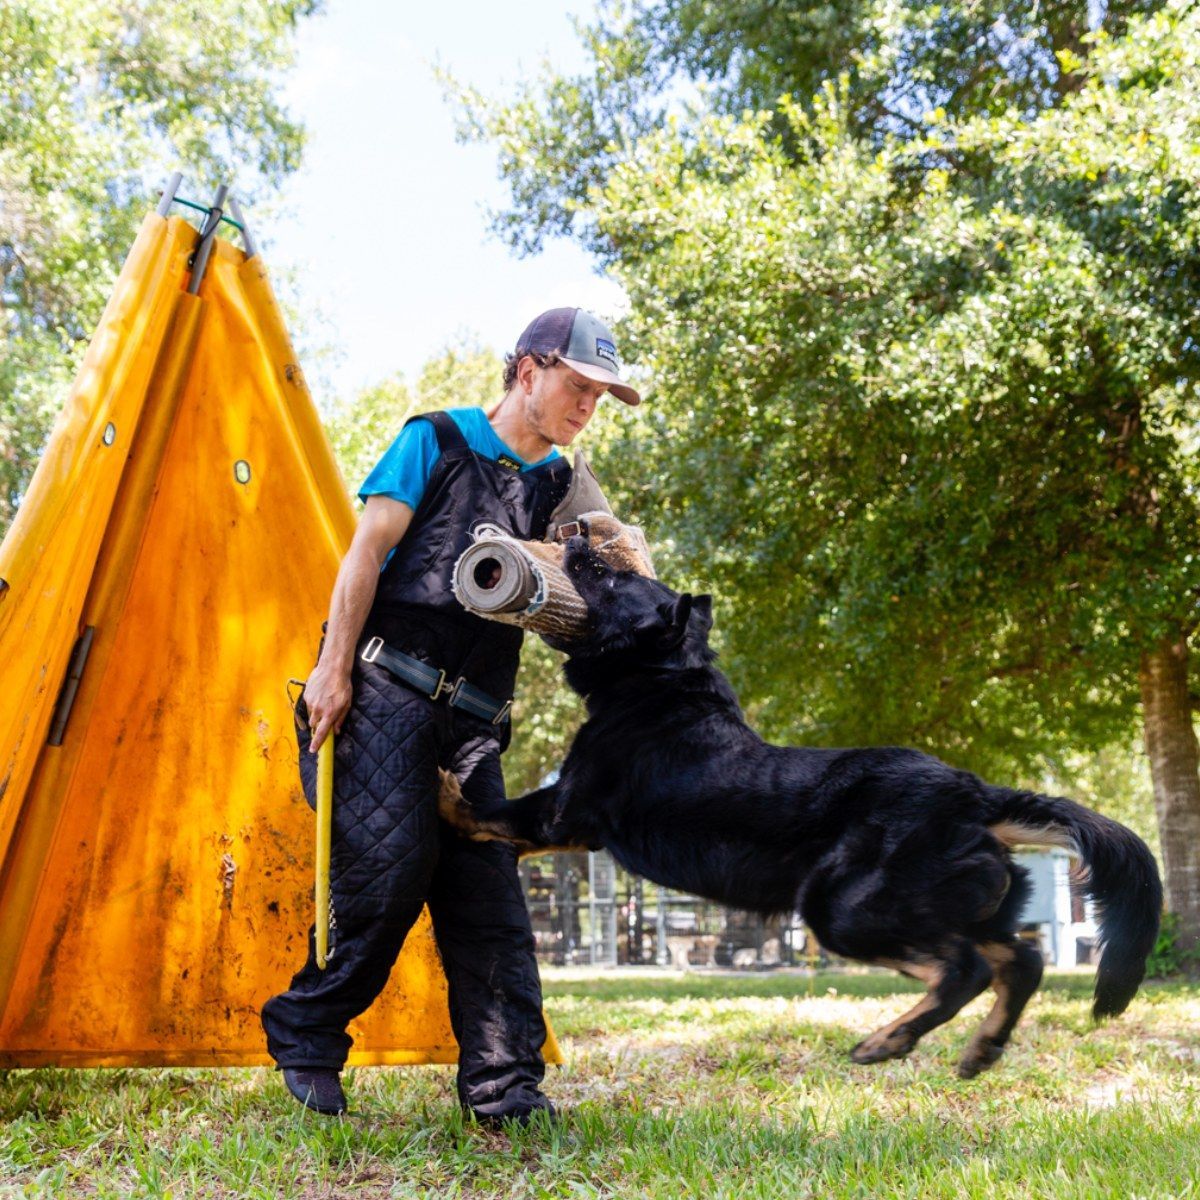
{"points": [[433, 683], [449, 436]]}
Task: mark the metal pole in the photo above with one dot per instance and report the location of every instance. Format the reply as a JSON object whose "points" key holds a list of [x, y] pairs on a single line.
{"points": [[592, 906], [247, 237], [662, 954], [610, 926], [168, 193], [207, 234]]}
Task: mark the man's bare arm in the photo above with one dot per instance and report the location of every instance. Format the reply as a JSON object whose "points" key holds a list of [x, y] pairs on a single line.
{"points": [[327, 693]]}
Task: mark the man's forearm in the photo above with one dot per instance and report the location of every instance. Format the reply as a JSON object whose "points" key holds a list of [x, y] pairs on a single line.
{"points": [[353, 595]]}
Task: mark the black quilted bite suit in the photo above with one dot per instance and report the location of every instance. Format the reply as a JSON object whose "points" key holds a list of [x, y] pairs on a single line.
{"points": [[390, 852]]}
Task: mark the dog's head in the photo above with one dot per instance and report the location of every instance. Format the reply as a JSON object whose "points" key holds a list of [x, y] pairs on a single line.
{"points": [[628, 611]]}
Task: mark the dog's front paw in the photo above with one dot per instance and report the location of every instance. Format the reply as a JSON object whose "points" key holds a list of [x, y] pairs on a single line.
{"points": [[452, 806]]}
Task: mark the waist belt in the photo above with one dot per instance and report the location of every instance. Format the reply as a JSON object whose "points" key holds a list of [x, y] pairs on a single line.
{"points": [[433, 683]]}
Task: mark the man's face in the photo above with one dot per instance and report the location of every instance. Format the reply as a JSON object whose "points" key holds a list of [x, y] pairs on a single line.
{"points": [[561, 402]]}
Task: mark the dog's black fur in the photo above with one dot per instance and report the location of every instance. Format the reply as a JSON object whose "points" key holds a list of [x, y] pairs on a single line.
{"points": [[890, 856]]}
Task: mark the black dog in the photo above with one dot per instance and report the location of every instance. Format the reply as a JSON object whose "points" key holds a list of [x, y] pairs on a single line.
{"points": [[891, 856]]}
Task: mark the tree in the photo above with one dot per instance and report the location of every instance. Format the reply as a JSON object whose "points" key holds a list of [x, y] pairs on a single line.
{"points": [[362, 427], [896, 61], [924, 407], [102, 99]]}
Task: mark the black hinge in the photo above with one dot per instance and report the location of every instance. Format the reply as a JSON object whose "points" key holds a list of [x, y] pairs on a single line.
{"points": [[66, 697]]}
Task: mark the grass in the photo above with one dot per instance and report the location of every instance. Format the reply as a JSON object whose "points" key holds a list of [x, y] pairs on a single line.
{"points": [[675, 1086]]}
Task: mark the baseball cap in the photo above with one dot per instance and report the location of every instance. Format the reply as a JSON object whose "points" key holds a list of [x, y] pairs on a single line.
{"points": [[581, 341]]}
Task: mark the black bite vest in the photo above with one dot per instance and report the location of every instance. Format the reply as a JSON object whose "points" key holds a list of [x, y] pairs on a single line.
{"points": [[415, 609]]}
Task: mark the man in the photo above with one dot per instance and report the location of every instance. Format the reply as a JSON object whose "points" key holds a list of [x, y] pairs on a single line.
{"points": [[410, 682]]}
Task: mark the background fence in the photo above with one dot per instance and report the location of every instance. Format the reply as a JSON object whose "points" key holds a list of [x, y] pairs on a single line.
{"points": [[586, 910]]}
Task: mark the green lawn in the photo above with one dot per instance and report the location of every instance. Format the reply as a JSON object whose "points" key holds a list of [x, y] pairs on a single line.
{"points": [[675, 1086]]}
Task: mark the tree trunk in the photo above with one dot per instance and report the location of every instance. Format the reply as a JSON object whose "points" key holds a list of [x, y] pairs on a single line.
{"points": [[1175, 769]]}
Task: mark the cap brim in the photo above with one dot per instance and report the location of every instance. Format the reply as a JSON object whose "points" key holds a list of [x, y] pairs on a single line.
{"points": [[622, 391]]}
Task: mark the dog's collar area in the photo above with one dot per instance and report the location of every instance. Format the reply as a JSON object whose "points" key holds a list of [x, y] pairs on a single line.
{"points": [[669, 659], [571, 529]]}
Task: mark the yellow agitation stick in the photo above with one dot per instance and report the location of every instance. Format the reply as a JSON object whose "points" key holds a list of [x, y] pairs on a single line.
{"points": [[324, 829]]}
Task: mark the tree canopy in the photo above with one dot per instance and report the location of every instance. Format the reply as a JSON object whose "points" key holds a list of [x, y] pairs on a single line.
{"points": [[894, 60], [914, 424], [922, 357], [101, 101]]}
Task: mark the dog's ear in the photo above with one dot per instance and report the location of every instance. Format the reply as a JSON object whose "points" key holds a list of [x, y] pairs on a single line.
{"points": [[675, 614], [702, 606]]}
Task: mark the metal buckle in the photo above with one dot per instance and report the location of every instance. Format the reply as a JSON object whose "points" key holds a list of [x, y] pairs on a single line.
{"points": [[442, 686], [371, 650], [502, 715]]}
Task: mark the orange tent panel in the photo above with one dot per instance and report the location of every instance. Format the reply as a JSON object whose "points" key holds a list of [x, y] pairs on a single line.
{"points": [[156, 878], [48, 556]]}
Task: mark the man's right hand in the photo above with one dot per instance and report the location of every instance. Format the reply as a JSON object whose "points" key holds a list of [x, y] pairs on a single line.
{"points": [[327, 695]]}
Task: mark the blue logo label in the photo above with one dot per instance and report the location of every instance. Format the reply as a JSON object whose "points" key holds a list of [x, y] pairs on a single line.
{"points": [[606, 350]]}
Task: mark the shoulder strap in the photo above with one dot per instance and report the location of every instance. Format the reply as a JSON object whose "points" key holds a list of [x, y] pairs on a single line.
{"points": [[449, 436]]}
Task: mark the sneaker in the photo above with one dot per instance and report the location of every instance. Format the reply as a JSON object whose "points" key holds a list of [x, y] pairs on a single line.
{"points": [[318, 1088]]}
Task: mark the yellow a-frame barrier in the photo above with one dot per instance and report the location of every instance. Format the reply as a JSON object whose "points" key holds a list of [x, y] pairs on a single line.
{"points": [[167, 572]]}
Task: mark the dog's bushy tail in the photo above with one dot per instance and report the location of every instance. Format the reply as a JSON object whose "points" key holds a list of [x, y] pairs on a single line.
{"points": [[1121, 876]]}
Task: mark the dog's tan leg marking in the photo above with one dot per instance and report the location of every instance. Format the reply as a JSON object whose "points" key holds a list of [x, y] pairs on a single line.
{"points": [[1013, 987], [455, 811], [895, 1040], [999, 958]]}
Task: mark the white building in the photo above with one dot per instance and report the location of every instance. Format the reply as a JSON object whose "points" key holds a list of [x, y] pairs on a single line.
{"points": [[1066, 923]]}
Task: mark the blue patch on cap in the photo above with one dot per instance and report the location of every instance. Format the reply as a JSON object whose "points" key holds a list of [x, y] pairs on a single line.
{"points": [[605, 349]]}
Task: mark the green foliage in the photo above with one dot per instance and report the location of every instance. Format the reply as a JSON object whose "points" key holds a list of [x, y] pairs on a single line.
{"points": [[599, 116], [362, 427], [919, 402], [898, 61], [545, 717], [101, 101], [464, 374], [1168, 957]]}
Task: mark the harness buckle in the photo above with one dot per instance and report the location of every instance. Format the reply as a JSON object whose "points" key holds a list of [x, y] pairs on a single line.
{"points": [[442, 686], [502, 715], [371, 650]]}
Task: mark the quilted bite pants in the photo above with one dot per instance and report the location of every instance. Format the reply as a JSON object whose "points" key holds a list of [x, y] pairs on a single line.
{"points": [[390, 855]]}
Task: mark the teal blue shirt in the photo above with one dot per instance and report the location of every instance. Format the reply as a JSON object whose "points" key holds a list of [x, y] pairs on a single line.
{"points": [[404, 470]]}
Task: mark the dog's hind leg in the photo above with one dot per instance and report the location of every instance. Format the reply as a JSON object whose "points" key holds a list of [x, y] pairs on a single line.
{"points": [[955, 977], [1016, 973]]}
